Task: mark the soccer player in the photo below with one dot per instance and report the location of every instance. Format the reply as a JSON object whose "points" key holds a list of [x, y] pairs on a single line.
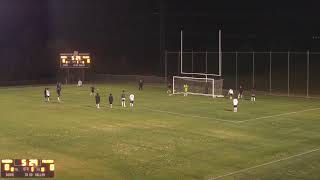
{"points": [[235, 104], [253, 94], [140, 84], [92, 90], [169, 89], [186, 87], [110, 100], [98, 100], [240, 96], [58, 88], [230, 93], [45, 94], [48, 94], [79, 83], [123, 99], [131, 98]]}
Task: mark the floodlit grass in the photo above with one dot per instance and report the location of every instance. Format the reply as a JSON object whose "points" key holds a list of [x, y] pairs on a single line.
{"points": [[162, 137]]}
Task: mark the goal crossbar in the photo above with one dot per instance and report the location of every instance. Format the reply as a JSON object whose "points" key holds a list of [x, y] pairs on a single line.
{"points": [[197, 86]]}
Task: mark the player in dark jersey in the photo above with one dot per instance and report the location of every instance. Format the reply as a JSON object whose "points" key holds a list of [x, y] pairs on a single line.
{"points": [[110, 100], [123, 99], [98, 100], [92, 90], [240, 96], [253, 94], [58, 88], [169, 88], [45, 94], [140, 84]]}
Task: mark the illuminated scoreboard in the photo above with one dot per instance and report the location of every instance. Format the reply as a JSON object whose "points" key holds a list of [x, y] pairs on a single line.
{"points": [[75, 60], [27, 168]]}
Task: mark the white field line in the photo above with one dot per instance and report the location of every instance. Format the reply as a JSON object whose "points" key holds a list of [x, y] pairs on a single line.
{"points": [[230, 121], [189, 115], [264, 164], [277, 115]]}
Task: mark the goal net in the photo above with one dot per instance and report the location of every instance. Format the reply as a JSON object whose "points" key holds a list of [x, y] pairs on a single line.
{"points": [[198, 86]]}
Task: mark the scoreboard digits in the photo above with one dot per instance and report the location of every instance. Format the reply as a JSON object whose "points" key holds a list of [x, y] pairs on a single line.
{"points": [[75, 60], [27, 168]]}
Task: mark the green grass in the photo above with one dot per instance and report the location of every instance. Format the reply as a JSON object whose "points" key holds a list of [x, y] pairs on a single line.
{"points": [[162, 137]]}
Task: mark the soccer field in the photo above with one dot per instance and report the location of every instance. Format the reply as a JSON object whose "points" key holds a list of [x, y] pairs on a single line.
{"points": [[162, 137]]}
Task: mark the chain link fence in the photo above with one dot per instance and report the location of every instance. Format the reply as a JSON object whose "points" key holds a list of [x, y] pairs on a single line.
{"points": [[278, 73]]}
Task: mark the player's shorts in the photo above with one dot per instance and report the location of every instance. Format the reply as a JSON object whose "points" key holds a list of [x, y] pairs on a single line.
{"points": [[123, 99], [235, 106], [131, 102], [253, 95]]}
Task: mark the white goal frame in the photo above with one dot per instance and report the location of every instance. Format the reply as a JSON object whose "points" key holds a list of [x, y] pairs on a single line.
{"points": [[194, 78]]}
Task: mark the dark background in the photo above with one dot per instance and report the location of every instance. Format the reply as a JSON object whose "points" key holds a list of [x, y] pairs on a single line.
{"points": [[126, 36]]}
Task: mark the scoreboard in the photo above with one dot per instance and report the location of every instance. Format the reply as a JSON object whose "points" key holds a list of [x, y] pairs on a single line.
{"points": [[75, 60], [27, 168]]}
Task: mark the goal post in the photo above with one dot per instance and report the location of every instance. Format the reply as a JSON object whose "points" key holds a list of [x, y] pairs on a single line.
{"points": [[198, 86]]}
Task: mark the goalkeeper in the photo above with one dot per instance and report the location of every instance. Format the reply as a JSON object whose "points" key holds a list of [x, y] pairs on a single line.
{"points": [[186, 88]]}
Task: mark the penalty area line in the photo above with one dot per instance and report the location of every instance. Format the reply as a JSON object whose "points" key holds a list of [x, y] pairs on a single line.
{"points": [[264, 164], [190, 115], [277, 115]]}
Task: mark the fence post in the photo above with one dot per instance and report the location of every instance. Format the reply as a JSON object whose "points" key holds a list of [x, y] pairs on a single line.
{"points": [[270, 74], [166, 66], [192, 61], [179, 61], [253, 79], [288, 73], [308, 61], [206, 61], [236, 70]]}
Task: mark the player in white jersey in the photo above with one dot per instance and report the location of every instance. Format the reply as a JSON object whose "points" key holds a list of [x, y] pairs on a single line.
{"points": [[79, 83], [48, 94], [131, 98], [230, 93], [235, 105]]}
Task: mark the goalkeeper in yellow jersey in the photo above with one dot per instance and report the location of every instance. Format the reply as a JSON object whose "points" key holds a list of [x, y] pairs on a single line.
{"points": [[186, 88]]}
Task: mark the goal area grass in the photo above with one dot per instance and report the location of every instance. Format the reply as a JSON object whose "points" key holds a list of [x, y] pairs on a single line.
{"points": [[162, 136]]}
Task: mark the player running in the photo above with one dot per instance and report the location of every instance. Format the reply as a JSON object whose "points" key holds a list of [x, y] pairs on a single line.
{"points": [[98, 100], [253, 94], [110, 100], [123, 99], [140, 84], [185, 87], [235, 104], [58, 88], [131, 98], [230, 93]]}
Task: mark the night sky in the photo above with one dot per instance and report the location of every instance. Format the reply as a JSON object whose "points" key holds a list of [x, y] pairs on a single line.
{"points": [[126, 37]]}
